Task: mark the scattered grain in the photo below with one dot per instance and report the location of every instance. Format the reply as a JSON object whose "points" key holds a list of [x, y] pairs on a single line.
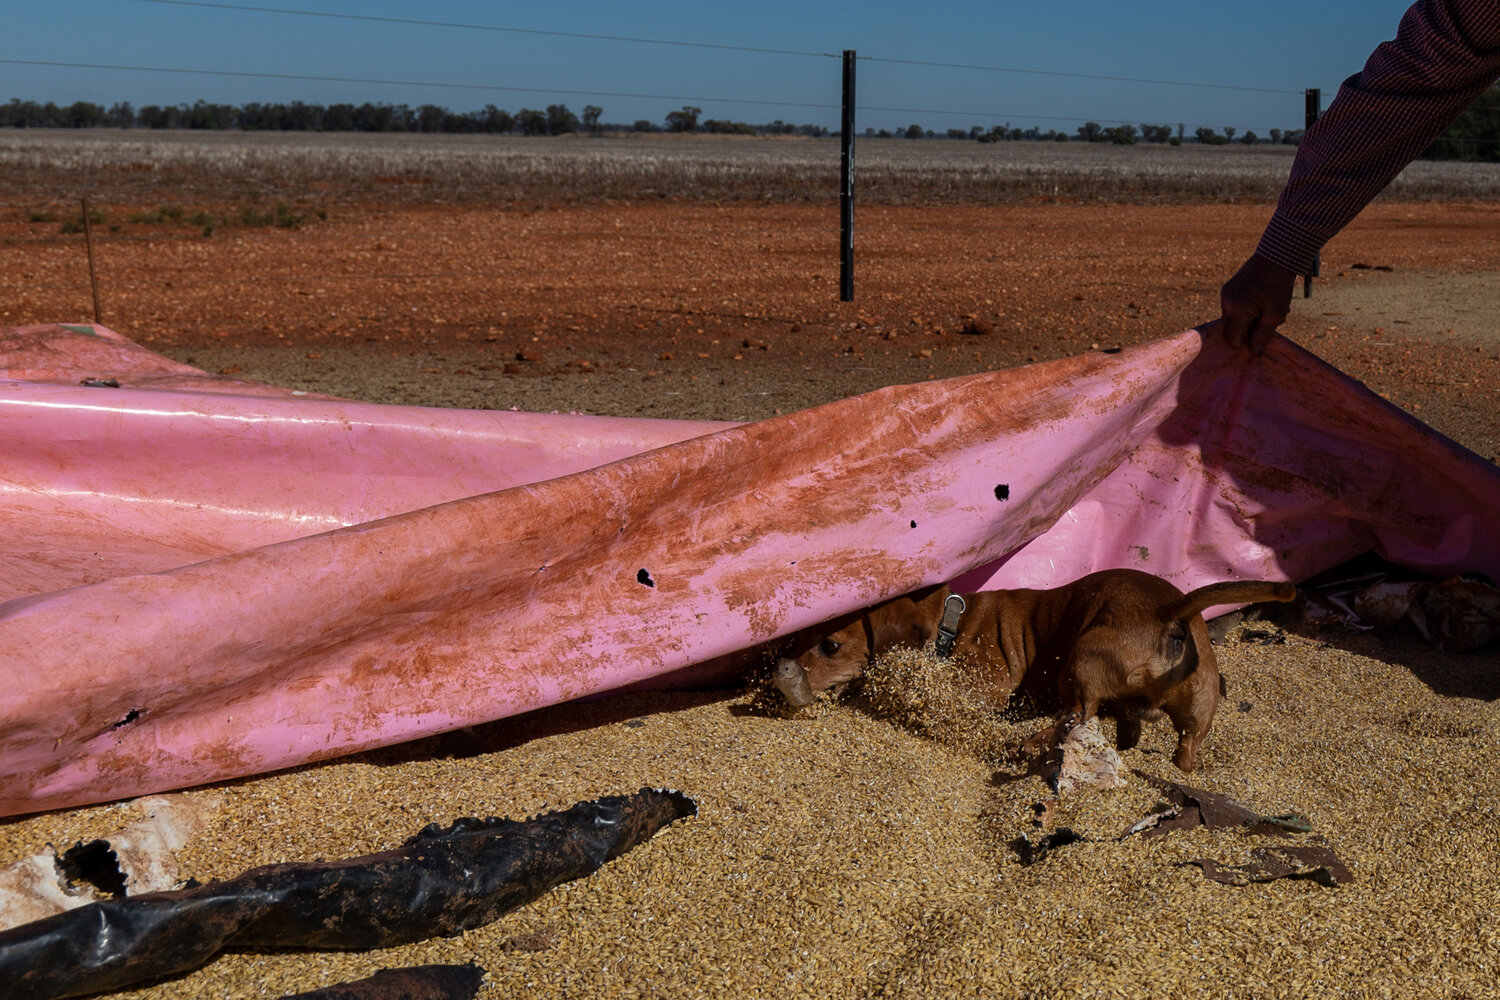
{"points": [[846, 854]]}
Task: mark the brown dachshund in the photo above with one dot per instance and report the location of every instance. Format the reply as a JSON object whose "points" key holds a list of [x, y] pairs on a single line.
{"points": [[1119, 639]]}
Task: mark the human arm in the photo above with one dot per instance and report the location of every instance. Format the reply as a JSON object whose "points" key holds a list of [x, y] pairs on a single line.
{"points": [[1445, 54]]}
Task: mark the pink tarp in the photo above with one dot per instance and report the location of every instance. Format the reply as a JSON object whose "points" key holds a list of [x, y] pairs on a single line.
{"points": [[205, 579]]}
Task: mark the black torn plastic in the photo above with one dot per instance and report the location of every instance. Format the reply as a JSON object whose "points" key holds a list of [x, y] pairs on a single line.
{"points": [[1267, 864], [422, 982], [1188, 808], [1029, 852], [441, 882], [1193, 807]]}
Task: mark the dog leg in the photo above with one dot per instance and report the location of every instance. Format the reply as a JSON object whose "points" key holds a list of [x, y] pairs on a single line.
{"points": [[1081, 705], [1047, 737], [1191, 727], [1037, 743], [1186, 757]]}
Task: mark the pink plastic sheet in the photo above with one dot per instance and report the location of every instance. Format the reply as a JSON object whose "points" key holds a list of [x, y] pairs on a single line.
{"points": [[205, 579]]}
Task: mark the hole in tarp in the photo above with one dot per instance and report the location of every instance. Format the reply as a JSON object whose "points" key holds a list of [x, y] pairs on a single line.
{"points": [[1112, 350], [645, 577], [914, 524], [94, 863], [130, 716], [1002, 492]]}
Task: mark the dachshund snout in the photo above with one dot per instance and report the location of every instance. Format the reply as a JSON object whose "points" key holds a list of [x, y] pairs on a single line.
{"points": [[791, 681]]}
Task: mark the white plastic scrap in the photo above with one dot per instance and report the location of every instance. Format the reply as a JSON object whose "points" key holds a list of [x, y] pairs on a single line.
{"points": [[146, 853]]}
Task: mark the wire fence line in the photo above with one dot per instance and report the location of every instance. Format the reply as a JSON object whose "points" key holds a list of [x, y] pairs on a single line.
{"points": [[703, 45], [423, 22], [495, 88], [638, 94]]}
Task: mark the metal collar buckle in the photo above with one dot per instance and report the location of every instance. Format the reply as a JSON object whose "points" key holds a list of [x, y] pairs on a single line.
{"points": [[947, 630]]}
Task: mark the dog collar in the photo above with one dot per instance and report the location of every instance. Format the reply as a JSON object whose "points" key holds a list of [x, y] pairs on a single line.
{"points": [[947, 629]]}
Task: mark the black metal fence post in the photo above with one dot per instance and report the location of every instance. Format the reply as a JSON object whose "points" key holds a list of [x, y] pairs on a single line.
{"points": [[1314, 108], [846, 184], [88, 240]]}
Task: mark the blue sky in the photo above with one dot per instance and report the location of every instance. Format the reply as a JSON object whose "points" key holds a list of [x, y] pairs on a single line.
{"points": [[1279, 46]]}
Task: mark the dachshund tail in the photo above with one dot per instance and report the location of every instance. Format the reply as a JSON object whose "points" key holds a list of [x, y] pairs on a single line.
{"points": [[1236, 592]]}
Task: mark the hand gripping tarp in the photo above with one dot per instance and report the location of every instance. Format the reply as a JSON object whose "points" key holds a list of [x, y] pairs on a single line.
{"points": [[207, 579]]}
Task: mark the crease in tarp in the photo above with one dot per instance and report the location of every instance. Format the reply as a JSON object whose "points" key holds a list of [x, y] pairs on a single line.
{"points": [[208, 579]]}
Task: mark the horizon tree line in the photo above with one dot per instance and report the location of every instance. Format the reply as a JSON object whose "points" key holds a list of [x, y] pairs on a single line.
{"points": [[1474, 136], [300, 116]]}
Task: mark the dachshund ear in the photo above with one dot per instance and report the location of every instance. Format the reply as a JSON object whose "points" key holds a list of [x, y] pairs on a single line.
{"points": [[1181, 646], [912, 619], [1177, 654], [1175, 645]]}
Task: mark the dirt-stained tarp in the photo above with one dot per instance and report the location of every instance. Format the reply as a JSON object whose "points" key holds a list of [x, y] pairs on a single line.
{"points": [[207, 579]]}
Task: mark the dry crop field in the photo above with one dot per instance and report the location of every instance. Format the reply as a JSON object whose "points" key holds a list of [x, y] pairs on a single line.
{"points": [[847, 853], [419, 167]]}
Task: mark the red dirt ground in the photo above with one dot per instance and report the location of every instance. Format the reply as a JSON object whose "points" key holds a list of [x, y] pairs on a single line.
{"points": [[731, 310]]}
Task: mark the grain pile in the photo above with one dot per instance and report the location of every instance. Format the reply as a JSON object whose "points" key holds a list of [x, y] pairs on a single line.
{"points": [[846, 854], [937, 698]]}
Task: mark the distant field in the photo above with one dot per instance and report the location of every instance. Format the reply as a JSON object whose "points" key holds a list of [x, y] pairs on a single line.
{"points": [[205, 166]]}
